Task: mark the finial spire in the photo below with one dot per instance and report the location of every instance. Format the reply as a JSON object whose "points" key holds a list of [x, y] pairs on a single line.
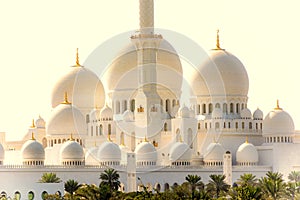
{"points": [[145, 139], [277, 105], [32, 124], [71, 137], [77, 58], [246, 140], [66, 101], [32, 136], [108, 137], [218, 47], [180, 139]]}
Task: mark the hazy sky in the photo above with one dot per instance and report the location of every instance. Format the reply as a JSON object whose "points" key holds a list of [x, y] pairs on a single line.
{"points": [[39, 38]]}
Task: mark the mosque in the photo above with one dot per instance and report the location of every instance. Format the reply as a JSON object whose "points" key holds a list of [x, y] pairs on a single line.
{"points": [[132, 120]]}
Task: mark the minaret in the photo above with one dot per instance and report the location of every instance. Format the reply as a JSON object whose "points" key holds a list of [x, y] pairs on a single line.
{"points": [[147, 99], [227, 167]]}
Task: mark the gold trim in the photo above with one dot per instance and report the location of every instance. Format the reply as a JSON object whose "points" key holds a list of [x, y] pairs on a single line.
{"points": [[32, 124], [218, 47], [145, 139], [77, 58], [108, 138], [246, 140], [71, 137], [32, 136]]}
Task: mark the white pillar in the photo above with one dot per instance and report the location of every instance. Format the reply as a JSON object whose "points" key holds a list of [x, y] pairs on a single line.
{"points": [[227, 167], [131, 172]]}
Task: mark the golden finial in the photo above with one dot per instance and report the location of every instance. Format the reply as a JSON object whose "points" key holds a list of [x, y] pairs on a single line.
{"points": [[246, 140], [108, 138], [71, 137], [32, 136], [215, 141], [77, 57], [32, 124], [218, 47], [66, 99], [277, 106], [145, 139]]}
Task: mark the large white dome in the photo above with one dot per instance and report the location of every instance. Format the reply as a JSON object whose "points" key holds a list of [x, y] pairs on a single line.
{"points": [[71, 151], [214, 153], [109, 151], [180, 151], [33, 150], [246, 154], [83, 86], [145, 151], [221, 73], [278, 122], [123, 72], [66, 119]]}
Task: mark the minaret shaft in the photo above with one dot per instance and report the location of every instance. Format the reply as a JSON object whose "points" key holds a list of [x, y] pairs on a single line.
{"points": [[146, 16]]}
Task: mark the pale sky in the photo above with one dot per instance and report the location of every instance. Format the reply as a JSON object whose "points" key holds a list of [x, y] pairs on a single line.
{"points": [[39, 38]]}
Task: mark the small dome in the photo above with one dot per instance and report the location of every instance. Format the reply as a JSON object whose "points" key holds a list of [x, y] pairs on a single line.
{"points": [[180, 151], [217, 113], [2, 153], [106, 113], [278, 122], [258, 114], [214, 153], [33, 150], [247, 154], [64, 120], [145, 151], [95, 114], [128, 116], [83, 86], [40, 122], [246, 113], [109, 151], [184, 112], [71, 151]]}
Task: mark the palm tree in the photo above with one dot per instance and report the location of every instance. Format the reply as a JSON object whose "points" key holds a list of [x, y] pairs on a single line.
{"points": [[110, 177], [294, 176], [217, 185], [49, 178], [194, 181], [71, 186], [247, 179], [273, 185]]}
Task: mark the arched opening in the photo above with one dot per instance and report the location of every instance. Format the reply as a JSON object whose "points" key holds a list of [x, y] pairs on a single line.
{"points": [[132, 105], [124, 105], [173, 102], [217, 105], [166, 187], [236, 125], [198, 109], [167, 105], [231, 107], [44, 142], [109, 129], [44, 194], [132, 141], [225, 108], [199, 126], [100, 129], [237, 108], [165, 126], [87, 118], [30, 195], [157, 187], [250, 125], [204, 108], [175, 185], [210, 108], [243, 125], [217, 125], [3, 195]]}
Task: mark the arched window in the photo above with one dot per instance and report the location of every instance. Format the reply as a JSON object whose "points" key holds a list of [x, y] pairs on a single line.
{"points": [[30, 195], [167, 105], [199, 126], [210, 108], [132, 105], [124, 105], [17, 195], [59, 141], [100, 129], [217, 105], [250, 125], [243, 125], [198, 109], [44, 142], [97, 131], [237, 108], [44, 194], [217, 125], [225, 108], [231, 107], [236, 125], [243, 106], [173, 102], [109, 129], [92, 130], [229, 125], [167, 187], [157, 187], [132, 141], [204, 108], [165, 127], [87, 118]]}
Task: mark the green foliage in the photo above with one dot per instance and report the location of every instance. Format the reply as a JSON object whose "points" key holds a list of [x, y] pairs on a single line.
{"points": [[217, 186], [110, 178], [71, 186], [273, 185], [53, 197], [49, 178]]}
